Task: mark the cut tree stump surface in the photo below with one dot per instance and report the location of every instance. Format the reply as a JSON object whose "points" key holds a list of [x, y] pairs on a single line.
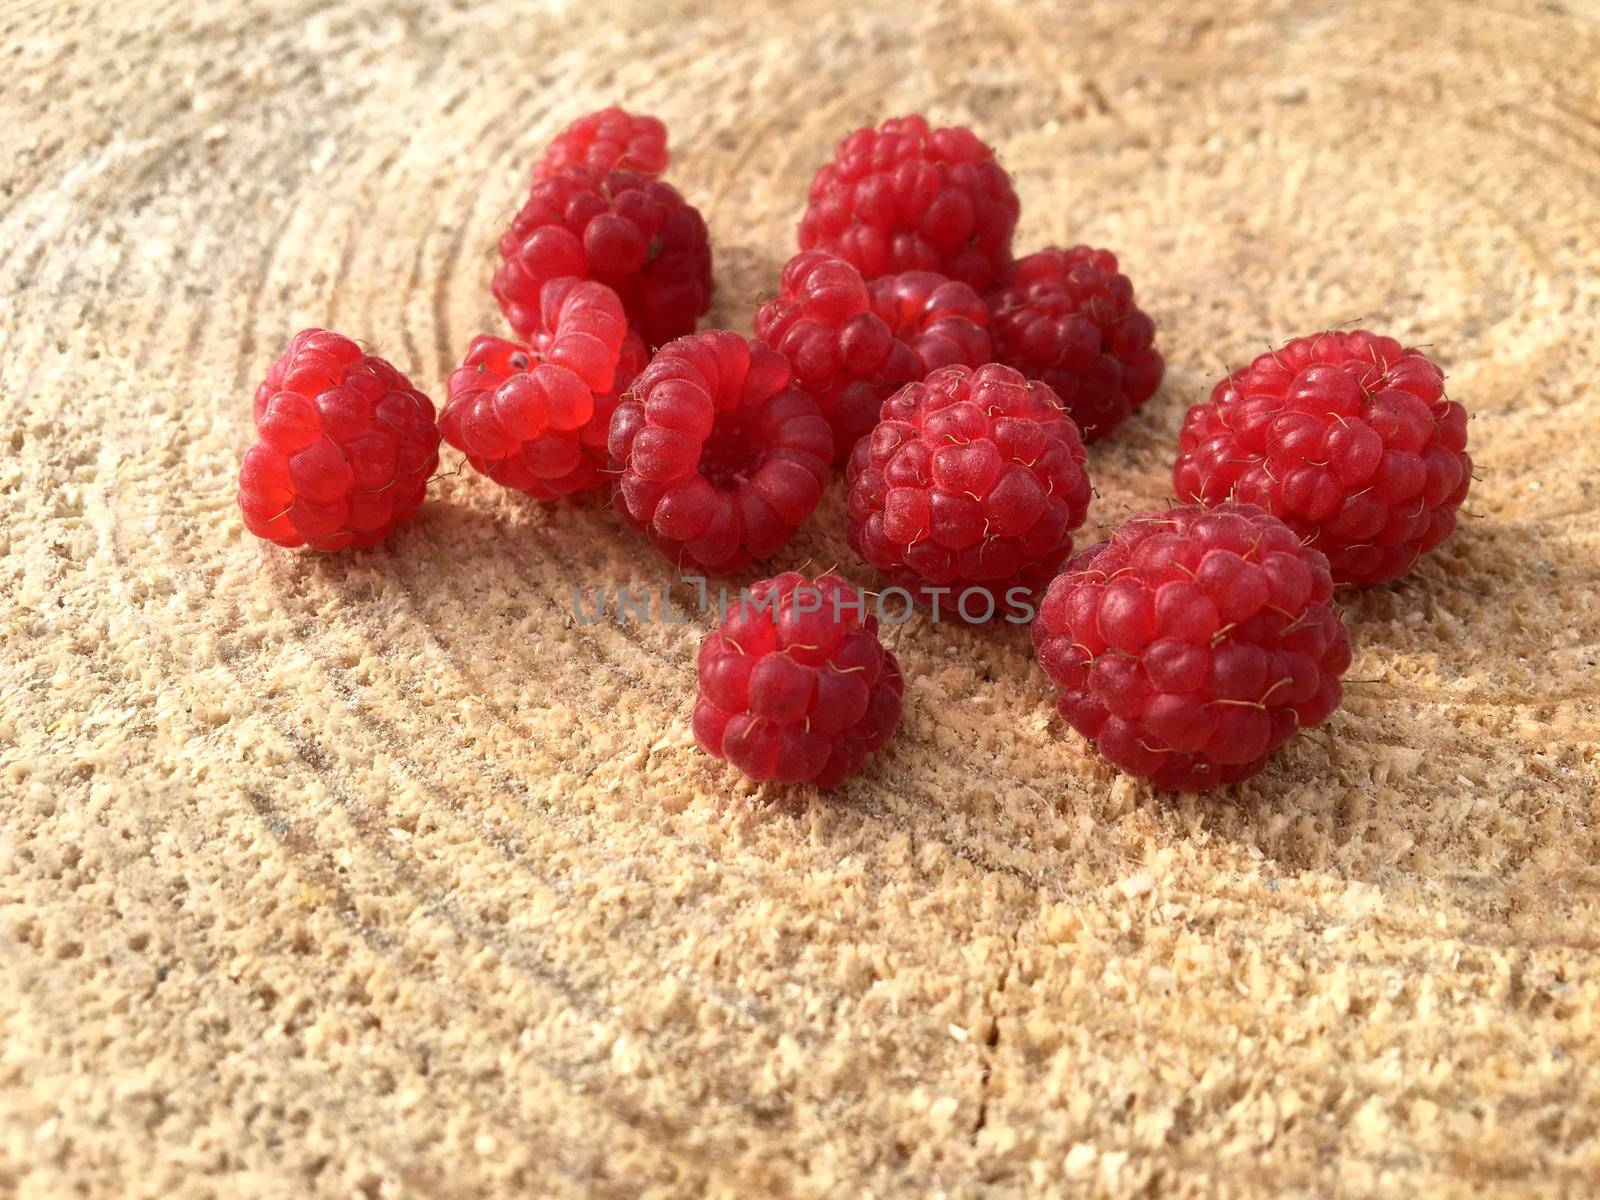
{"points": [[377, 875]]}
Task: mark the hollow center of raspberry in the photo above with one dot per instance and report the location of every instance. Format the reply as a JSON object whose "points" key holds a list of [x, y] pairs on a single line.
{"points": [[540, 343], [729, 456]]}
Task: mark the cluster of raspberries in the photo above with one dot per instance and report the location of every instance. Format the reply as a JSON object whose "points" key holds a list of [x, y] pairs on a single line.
{"points": [[958, 386]]}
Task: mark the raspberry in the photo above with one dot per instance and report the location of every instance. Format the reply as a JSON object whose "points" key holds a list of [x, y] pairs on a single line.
{"points": [[1194, 643], [534, 416], [852, 343], [632, 233], [1345, 436], [794, 684], [904, 197], [721, 458], [972, 480], [347, 447], [608, 140], [1067, 318]]}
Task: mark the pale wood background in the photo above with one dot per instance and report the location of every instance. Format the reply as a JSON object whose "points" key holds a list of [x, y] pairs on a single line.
{"points": [[372, 876]]}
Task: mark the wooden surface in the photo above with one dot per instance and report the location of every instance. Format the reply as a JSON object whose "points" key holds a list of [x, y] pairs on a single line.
{"points": [[375, 876]]}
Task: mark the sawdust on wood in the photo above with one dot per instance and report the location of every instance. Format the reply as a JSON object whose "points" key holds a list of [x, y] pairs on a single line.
{"points": [[377, 876]]}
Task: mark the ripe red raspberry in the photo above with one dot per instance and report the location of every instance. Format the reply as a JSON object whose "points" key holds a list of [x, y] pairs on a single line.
{"points": [[852, 343], [794, 684], [721, 459], [1194, 643], [534, 416], [347, 447], [1348, 438], [972, 480], [608, 140], [632, 233], [1067, 317], [904, 197]]}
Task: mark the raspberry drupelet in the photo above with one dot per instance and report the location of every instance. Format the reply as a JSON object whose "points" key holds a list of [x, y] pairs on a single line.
{"points": [[632, 233], [852, 343], [608, 140], [973, 480], [906, 197], [795, 685], [1194, 643], [721, 459], [346, 448], [1348, 437], [535, 415], [1067, 318]]}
